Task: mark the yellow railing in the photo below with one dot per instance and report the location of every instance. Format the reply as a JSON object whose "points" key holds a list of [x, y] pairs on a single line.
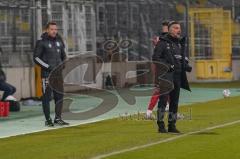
{"points": [[218, 24]]}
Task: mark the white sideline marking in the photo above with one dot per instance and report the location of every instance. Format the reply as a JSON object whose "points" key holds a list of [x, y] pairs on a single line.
{"points": [[51, 128], [165, 140]]}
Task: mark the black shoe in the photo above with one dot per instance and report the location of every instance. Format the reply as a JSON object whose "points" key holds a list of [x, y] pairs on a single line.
{"points": [[173, 129], [49, 123], [60, 122], [161, 127]]}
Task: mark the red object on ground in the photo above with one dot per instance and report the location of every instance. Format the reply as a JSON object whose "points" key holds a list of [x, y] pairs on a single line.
{"points": [[4, 109]]}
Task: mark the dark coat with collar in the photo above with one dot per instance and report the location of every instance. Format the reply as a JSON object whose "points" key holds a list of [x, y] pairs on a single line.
{"points": [[49, 53], [170, 52]]}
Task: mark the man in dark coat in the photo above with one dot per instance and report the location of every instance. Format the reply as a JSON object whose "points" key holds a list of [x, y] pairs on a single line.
{"points": [[156, 92], [170, 52], [49, 54]]}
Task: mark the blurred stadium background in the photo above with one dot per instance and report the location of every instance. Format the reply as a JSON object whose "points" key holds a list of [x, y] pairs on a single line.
{"points": [[213, 27]]}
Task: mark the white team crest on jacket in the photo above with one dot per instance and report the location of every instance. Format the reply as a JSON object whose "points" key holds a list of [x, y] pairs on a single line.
{"points": [[50, 45], [168, 46], [58, 44]]}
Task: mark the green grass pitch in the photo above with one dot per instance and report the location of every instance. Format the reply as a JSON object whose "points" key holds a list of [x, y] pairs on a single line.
{"points": [[90, 140]]}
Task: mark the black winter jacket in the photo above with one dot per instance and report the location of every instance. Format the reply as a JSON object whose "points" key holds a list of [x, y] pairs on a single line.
{"points": [[170, 52], [49, 53]]}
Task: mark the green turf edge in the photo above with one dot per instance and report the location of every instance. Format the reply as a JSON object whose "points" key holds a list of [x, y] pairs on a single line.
{"points": [[89, 140], [232, 84]]}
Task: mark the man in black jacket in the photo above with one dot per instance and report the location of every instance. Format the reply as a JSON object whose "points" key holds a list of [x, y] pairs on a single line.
{"points": [[164, 31], [170, 51], [49, 54], [156, 91]]}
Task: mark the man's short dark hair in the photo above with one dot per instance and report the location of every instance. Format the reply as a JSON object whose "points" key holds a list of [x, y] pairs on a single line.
{"points": [[165, 23], [172, 23], [50, 23]]}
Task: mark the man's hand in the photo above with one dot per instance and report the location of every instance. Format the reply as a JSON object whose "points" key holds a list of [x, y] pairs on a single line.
{"points": [[188, 68], [50, 68]]}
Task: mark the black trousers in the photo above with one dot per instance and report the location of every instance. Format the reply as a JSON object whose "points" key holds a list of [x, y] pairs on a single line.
{"points": [[56, 88], [7, 88], [173, 98]]}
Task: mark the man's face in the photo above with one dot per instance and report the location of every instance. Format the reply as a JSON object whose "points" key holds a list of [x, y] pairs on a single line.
{"points": [[164, 29], [52, 31], [175, 30]]}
